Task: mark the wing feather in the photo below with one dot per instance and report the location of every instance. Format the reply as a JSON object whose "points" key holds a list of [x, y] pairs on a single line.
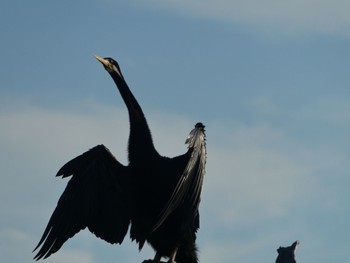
{"points": [[190, 182], [95, 197]]}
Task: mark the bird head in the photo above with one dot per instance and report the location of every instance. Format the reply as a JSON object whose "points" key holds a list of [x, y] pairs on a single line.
{"points": [[110, 65]]}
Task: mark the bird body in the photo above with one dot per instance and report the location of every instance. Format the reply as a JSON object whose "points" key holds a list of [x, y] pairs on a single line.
{"points": [[158, 196]]}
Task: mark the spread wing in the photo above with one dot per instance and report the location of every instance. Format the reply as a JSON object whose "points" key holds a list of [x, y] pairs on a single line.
{"points": [[95, 197], [190, 182]]}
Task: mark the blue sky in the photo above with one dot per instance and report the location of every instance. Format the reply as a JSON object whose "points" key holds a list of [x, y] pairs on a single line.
{"points": [[268, 78]]}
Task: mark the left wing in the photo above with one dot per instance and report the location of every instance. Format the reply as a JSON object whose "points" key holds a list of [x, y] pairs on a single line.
{"points": [[95, 197]]}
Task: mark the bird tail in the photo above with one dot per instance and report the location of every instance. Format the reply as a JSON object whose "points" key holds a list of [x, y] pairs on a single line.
{"points": [[187, 254]]}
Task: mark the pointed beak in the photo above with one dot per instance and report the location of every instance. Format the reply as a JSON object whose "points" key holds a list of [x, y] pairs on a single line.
{"points": [[109, 66], [103, 61]]}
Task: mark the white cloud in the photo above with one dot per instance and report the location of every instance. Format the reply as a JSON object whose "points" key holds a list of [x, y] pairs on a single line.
{"points": [[17, 246], [256, 176], [269, 16], [237, 250], [75, 256]]}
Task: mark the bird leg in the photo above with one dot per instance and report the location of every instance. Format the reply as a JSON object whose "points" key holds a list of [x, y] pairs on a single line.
{"points": [[157, 258], [172, 256]]}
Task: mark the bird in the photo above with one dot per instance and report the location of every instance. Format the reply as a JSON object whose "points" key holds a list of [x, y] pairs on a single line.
{"points": [[287, 254], [155, 198]]}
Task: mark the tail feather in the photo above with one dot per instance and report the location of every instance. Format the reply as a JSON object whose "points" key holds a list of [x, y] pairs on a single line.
{"points": [[187, 254]]}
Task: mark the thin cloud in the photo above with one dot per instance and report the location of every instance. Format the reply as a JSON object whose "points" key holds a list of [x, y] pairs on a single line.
{"points": [[269, 16], [258, 178], [17, 246], [260, 173]]}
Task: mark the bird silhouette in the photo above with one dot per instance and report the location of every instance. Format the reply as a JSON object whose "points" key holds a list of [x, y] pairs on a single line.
{"points": [[157, 196], [287, 254]]}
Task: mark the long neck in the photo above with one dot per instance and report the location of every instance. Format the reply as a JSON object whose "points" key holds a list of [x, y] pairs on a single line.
{"points": [[140, 139]]}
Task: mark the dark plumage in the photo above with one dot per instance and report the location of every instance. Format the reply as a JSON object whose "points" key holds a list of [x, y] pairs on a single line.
{"points": [[158, 196], [287, 254]]}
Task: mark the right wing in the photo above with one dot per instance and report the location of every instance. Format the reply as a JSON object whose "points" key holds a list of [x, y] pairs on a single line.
{"points": [[189, 185], [95, 197]]}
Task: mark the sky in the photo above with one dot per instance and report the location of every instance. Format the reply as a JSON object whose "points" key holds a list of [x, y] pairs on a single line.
{"points": [[268, 78]]}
